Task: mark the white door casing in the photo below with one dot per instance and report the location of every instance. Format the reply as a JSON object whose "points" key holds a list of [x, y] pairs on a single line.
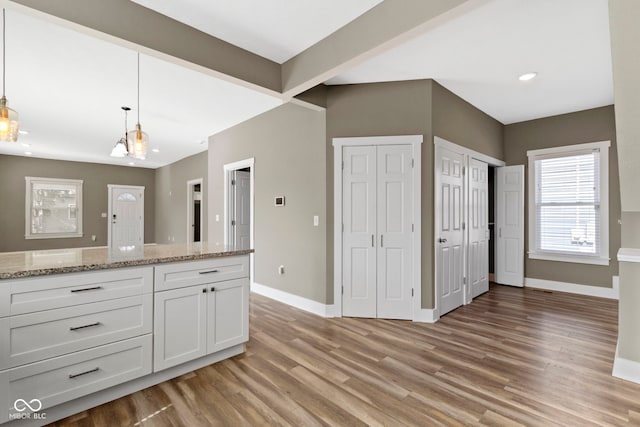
{"points": [[241, 207], [478, 248], [228, 170], [449, 233], [359, 236], [509, 218], [191, 197], [394, 225], [126, 216], [415, 142]]}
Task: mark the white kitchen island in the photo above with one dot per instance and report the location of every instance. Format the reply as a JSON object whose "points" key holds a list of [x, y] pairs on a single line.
{"points": [[81, 327]]}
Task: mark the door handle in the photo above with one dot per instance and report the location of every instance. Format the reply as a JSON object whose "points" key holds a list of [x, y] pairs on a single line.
{"points": [[441, 240], [382, 240], [373, 241]]}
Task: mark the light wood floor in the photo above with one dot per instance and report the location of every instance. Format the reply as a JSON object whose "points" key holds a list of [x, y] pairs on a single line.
{"points": [[514, 356]]}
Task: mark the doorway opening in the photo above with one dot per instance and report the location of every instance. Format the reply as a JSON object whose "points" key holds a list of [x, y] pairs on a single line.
{"points": [[195, 210], [239, 206], [492, 222]]}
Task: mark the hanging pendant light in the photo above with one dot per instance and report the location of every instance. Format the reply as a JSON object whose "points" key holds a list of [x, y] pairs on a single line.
{"points": [[120, 149], [137, 139], [9, 124]]}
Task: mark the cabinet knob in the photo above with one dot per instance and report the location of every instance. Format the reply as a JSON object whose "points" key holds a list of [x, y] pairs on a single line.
{"points": [[213, 289], [204, 291]]}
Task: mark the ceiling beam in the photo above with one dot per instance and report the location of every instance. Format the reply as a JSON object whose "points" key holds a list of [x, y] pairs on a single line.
{"points": [[383, 27], [131, 25]]}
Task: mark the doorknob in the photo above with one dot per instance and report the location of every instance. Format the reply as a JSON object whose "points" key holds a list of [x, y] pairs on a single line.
{"points": [[441, 240]]}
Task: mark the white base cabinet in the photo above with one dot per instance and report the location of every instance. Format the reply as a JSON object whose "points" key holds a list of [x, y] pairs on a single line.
{"points": [[202, 318], [68, 339]]}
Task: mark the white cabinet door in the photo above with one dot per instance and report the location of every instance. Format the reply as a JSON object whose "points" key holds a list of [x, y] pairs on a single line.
{"points": [[180, 321], [394, 222], [227, 314], [478, 227], [510, 225], [359, 237], [449, 233]]}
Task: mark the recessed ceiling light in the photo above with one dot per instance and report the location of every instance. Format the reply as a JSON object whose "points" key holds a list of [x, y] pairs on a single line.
{"points": [[527, 76], [155, 150], [132, 164], [23, 132], [28, 153], [26, 145]]}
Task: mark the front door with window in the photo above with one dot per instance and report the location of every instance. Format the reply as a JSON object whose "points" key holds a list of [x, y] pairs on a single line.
{"points": [[126, 217]]}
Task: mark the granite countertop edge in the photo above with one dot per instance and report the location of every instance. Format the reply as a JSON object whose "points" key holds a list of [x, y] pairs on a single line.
{"points": [[119, 264]]}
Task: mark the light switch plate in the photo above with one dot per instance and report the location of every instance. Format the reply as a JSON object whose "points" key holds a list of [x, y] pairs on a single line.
{"points": [[316, 220]]}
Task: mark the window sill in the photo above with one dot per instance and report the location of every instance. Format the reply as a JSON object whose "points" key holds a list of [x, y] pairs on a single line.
{"points": [[53, 236], [570, 258]]}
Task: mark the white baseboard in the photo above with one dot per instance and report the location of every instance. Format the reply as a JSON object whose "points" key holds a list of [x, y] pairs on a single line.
{"points": [[296, 301], [427, 315], [626, 369], [573, 288]]}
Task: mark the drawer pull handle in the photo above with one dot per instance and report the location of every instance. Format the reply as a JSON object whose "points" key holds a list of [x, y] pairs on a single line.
{"points": [[209, 272], [95, 288], [75, 328], [91, 371]]}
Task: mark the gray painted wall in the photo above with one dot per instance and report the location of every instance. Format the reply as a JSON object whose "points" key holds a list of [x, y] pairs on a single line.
{"points": [[455, 120], [171, 197], [404, 108], [13, 170], [593, 125], [288, 144]]}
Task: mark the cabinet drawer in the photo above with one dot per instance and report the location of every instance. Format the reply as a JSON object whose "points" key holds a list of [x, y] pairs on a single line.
{"points": [[37, 336], [63, 290], [183, 274], [64, 378]]}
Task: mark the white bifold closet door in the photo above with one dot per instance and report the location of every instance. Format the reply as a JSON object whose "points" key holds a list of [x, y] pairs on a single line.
{"points": [[377, 231]]}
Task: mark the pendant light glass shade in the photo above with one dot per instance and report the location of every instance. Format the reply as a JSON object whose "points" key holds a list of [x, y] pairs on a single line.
{"points": [[120, 149], [9, 124], [137, 140], [137, 143]]}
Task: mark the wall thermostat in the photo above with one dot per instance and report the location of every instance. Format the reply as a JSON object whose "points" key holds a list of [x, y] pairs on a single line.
{"points": [[279, 200]]}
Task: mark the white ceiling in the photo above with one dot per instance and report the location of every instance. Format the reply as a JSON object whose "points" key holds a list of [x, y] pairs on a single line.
{"points": [[274, 29], [480, 55], [68, 89]]}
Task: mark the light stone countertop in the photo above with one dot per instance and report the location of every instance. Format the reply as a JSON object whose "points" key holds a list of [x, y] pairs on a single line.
{"points": [[15, 265]]}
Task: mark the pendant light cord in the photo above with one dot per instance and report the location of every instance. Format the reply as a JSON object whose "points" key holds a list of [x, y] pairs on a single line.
{"points": [[138, 87], [4, 49]]}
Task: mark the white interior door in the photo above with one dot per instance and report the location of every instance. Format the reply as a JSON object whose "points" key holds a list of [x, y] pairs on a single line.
{"points": [[126, 214], [478, 227], [241, 220], [394, 219], [509, 235], [359, 234], [449, 233]]}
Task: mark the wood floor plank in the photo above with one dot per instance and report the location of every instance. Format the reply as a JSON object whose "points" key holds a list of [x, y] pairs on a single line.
{"points": [[513, 357]]}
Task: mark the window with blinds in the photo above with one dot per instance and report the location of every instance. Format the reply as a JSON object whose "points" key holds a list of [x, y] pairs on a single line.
{"points": [[568, 211]]}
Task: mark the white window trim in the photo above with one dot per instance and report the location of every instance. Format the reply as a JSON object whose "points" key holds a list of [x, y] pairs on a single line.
{"points": [[603, 258], [29, 180]]}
